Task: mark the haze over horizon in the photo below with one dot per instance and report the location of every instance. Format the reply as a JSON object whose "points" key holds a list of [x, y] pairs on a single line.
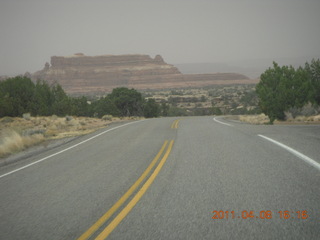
{"points": [[182, 31]]}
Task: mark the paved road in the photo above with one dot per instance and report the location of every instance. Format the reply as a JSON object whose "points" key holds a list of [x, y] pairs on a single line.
{"points": [[216, 169]]}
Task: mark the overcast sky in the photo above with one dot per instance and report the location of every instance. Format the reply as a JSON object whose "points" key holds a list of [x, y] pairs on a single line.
{"points": [[182, 31]]}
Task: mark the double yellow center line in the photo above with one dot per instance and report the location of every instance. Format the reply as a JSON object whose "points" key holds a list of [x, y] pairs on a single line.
{"points": [[175, 123], [115, 222]]}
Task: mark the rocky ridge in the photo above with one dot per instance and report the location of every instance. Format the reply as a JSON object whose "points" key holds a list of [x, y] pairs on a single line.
{"points": [[97, 74]]}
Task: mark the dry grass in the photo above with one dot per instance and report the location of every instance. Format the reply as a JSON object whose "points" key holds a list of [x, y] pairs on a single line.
{"points": [[17, 134], [263, 119], [11, 141], [308, 119], [254, 119]]}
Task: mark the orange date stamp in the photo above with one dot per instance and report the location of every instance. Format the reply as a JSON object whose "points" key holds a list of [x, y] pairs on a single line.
{"points": [[266, 214]]}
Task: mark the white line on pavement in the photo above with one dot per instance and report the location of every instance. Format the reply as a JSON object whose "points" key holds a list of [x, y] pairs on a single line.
{"points": [[298, 154], [64, 150], [215, 119]]}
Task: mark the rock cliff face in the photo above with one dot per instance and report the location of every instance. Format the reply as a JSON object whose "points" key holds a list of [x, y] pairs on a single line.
{"points": [[87, 74]]}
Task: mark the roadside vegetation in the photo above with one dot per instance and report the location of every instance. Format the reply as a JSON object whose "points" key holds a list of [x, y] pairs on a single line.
{"points": [[31, 113], [17, 133], [19, 95], [285, 92], [11, 141], [264, 119]]}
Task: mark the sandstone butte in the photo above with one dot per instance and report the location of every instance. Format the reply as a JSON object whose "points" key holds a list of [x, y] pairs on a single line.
{"points": [[80, 74]]}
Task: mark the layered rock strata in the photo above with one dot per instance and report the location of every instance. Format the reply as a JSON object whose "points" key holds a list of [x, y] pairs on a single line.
{"points": [[97, 74]]}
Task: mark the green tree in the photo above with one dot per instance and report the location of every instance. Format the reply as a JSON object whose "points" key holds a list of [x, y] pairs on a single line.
{"points": [[282, 88], [61, 103], [164, 109], [43, 99], [274, 98], [151, 108], [105, 106], [6, 105], [301, 88], [16, 96], [129, 102], [313, 71], [80, 106]]}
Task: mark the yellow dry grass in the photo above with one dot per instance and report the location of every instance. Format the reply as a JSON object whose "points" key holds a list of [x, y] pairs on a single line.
{"points": [[17, 134], [254, 119], [308, 119], [263, 119], [11, 141]]}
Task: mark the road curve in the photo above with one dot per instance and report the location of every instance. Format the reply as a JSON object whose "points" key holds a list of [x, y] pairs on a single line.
{"points": [[218, 180]]}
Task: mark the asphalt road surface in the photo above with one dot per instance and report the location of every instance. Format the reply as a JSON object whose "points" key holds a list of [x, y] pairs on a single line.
{"points": [[169, 178]]}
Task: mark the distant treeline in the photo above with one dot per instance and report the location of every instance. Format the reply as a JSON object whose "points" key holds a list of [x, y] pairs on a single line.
{"points": [[280, 90], [21, 95], [285, 88]]}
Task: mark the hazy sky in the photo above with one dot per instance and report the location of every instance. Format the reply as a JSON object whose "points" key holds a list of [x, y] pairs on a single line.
{"points": [[182, 31]]}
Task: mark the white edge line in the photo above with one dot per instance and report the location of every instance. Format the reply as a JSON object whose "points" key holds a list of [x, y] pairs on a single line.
{"points": [[298, 154], [222, 122], [64, 150]]}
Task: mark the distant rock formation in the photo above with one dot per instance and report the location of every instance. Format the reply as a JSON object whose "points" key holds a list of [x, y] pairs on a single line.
{"points": [[98, 74]]}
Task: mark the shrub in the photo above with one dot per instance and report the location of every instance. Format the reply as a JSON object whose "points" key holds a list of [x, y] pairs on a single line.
{"points": [[11, 141], [26, 116], [107, 117]]}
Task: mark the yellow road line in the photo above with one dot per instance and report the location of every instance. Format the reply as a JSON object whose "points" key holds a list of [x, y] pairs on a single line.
{"points": [[105, 233], [175, 123], [118, 204], [172, 125]]}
